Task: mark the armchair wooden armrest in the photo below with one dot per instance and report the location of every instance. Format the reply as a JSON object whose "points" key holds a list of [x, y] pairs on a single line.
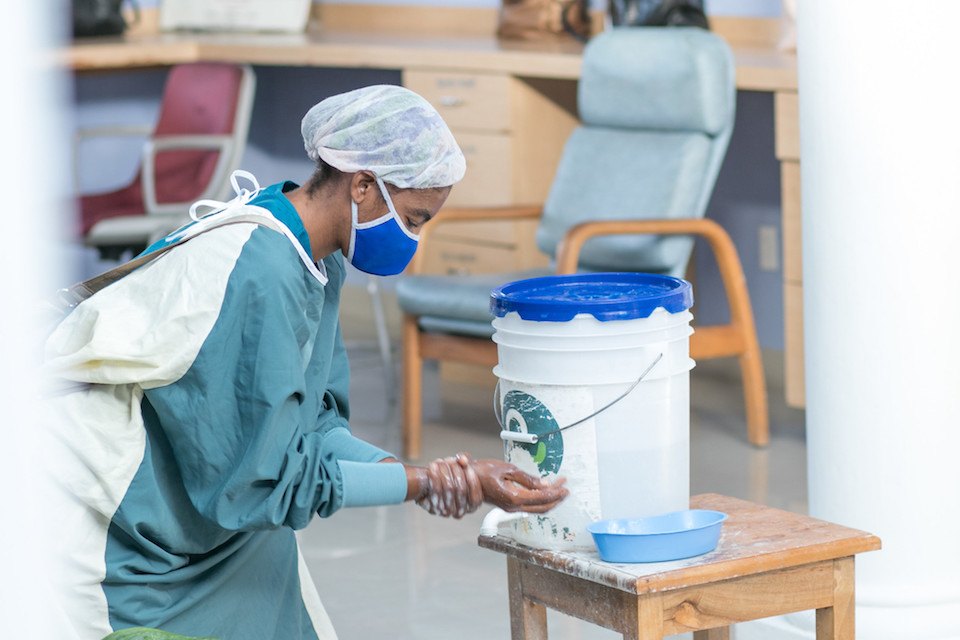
{"points": [[731, 271], [484, 214], [569, 252]]}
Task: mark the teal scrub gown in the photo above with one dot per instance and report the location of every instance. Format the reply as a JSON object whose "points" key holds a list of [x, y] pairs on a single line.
{"points": [[214, 426]]}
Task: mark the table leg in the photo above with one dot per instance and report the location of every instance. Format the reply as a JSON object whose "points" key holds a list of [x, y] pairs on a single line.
{"points": [[648, 623], [720, 633], [528, 620], [837, 622]]}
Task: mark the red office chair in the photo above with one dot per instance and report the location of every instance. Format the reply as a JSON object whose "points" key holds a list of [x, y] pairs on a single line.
{"points": [[197, 142]]}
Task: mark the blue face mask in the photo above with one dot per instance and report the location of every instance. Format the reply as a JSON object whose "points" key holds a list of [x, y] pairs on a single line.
{"points": [[382, 247]]}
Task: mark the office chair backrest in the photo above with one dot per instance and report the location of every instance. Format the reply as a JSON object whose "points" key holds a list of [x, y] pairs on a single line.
{"points": [[657, 107], [204, 98]]}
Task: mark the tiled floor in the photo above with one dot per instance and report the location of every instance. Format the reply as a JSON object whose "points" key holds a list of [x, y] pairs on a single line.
{"points": [[400, 573]]}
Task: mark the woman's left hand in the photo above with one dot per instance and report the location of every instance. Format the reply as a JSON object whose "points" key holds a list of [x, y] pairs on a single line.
{"points": [[454, 488]]}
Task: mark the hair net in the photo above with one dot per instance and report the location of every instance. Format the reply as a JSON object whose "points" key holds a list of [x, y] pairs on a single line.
{"points": [[388, 130]]}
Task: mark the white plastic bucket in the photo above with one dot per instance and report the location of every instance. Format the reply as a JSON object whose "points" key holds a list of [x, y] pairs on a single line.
{"points": [[632, 458]]}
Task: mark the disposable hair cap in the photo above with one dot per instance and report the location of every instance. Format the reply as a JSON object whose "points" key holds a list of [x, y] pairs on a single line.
{"points": [[388, 130]]}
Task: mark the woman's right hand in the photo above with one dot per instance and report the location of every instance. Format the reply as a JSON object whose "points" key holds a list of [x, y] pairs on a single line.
{"points": [[456, 486], [507, 487]]}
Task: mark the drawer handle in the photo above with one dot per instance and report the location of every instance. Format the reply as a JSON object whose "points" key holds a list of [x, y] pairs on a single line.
{"points": [[451, 101], [446, 83], [461, 257]]}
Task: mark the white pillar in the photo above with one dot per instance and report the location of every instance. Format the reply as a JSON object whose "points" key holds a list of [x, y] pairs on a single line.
{"points": [[880, 147], [34, 149]]}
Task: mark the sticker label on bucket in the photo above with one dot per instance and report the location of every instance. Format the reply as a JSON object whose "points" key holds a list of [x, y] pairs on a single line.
{"points": [[522, 413], [572, 454]]}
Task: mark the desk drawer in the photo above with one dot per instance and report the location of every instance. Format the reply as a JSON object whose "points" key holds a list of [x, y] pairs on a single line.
{"points": [[786, 110], [793, 344], [493, 232], [474, 101], [489, 178], [453, 257], [513, 250], [792, 230]]}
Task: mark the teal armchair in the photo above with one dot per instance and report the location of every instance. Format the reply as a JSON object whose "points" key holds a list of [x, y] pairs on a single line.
{"points": [[630, 193]]}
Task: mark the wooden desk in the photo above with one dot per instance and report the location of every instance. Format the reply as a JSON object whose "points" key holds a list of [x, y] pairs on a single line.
{"points": [[769, 562], [759, 68], [450, 56]]}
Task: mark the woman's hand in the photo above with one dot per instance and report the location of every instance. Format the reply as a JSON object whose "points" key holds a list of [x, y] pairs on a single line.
{"points": [[452, 487], [509, 488], [456, 486]]}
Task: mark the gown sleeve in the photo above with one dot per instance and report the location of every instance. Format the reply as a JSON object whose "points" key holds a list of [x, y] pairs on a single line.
{"points": [[256, 443]]}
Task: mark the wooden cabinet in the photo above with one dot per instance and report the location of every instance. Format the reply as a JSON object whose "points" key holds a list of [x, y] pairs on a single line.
{"points": [[512, 131], [489, 170], [786, 113], [786, 107], [467, 101], [790, 212], [498, 247], [793, 344]]}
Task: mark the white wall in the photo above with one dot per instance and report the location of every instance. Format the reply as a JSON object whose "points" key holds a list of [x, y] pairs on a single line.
{"points": [[881, 220]]}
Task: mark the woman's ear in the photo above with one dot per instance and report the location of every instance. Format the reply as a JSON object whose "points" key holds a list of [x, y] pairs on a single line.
{"points": [[362, 185]]}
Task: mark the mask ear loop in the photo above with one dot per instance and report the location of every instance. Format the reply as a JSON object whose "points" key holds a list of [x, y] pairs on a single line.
{"points": [[354, 218], [393, 209]]}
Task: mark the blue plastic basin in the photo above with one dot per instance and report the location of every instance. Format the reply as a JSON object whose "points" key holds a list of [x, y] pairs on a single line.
{"points": [[673, 536]]}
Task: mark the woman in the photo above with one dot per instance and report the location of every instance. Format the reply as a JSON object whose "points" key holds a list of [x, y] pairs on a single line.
{"points": [[216, 420]]}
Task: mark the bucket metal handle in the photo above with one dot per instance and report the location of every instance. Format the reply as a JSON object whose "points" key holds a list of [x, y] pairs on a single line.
{"points": [[533, 438]]}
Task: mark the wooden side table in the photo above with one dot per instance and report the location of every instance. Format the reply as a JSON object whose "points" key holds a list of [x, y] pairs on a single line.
{"points": [[768, 563]]}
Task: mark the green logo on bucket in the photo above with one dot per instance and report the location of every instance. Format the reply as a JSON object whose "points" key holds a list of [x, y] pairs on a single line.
{"points": [[523, 413]]}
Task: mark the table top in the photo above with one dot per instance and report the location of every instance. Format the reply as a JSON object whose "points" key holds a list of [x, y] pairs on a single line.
{"points": [[759, 68], [754, 539]]}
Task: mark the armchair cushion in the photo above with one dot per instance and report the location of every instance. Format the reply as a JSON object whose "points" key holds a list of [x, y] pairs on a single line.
{"points": [[456, 327], [459, 304]]}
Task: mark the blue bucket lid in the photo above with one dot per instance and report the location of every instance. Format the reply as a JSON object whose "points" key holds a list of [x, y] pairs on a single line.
{"points": [[605, 296]]}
